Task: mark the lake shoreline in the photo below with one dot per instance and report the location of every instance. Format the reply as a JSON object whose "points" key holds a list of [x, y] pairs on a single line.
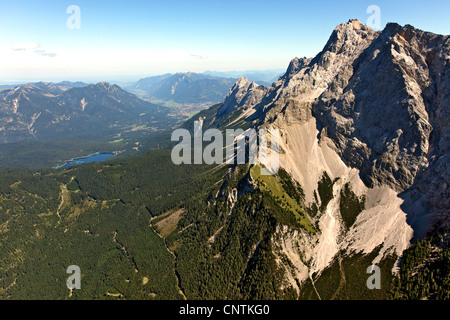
{"points": [[78, 160]]}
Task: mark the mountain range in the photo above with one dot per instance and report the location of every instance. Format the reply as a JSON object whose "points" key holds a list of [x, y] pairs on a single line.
{"points": [[363, 182], [184, 88], [45, 111], [45, 124], [262, 77]]}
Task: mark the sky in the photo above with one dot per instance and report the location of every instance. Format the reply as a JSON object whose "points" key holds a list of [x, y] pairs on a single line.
{"points": [[45, 40]]}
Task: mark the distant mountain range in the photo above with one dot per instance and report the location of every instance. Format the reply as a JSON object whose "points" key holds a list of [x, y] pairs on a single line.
{"points": [[204, 89], [189, 88], [261, 77], [45, 111], [63, 85], [184, 88]]}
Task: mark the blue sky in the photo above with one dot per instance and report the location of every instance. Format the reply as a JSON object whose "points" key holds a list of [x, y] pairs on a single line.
{"points": [[125, 40]]}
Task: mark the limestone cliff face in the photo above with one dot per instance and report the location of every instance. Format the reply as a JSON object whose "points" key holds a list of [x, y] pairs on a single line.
{"points": [[372, 110], [389, 116], [385, 103], [381, 97]]}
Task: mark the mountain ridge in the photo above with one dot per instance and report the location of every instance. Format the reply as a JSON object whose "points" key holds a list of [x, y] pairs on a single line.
{"points": [[46, 111]]}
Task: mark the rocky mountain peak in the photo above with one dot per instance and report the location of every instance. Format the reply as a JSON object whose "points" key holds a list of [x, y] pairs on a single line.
{"points": [[104, 85], [241, 82], [392, 27], [243, 93], [354, 24], [349, 35]]}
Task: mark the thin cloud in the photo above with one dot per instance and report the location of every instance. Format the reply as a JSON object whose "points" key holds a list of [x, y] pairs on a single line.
{"points": [[45, 53], [25, 46], [198, 55], [32, 47]]}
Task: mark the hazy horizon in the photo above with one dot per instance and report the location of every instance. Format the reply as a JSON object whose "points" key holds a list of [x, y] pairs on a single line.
{"points": [[124, 79]]}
